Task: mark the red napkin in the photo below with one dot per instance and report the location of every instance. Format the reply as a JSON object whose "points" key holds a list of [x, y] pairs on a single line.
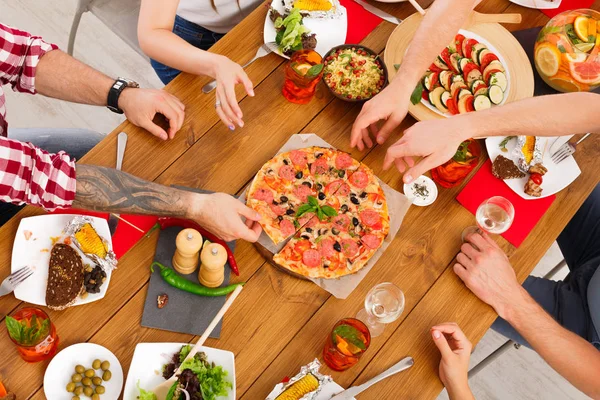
{"points": [[360, 22], [567, 5], [527, 212], [125, 236]]}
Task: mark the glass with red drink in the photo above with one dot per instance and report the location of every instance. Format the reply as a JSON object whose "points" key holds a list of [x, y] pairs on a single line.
{"points": [[346, 343], [31, 330], [454, 171], [302, 74]]}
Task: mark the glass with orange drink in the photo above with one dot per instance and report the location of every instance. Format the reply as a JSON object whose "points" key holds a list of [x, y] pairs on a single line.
{"points": [[31, 330], [567, 51], [346, 343], [302, 74]]}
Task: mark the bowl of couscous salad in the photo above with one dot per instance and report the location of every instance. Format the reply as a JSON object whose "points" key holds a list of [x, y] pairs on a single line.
{"points": [[354, 73]]}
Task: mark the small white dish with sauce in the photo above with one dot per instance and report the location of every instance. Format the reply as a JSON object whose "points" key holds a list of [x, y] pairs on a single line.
{"points": [[422, 191]]}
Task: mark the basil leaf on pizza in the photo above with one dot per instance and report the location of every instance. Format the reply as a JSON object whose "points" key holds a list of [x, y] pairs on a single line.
{"points": [[329, 211]]}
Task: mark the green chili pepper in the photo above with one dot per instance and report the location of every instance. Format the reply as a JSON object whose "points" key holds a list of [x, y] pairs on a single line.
{"points": [[179, 282]]}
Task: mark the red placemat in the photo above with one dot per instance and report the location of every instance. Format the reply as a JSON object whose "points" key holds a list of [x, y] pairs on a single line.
{"points": [[567, 5], [527, 212], [125, 236], [360, 22]]}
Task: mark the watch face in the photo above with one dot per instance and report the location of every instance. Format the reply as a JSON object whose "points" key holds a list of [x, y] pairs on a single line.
{"points": [[130, 83]]}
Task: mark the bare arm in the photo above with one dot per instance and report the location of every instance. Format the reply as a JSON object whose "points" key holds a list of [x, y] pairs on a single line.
{"points": [[563, 350], [106, 189], [438, 28], [437, 140], [161, 44], [486, 271], [63, 77]]}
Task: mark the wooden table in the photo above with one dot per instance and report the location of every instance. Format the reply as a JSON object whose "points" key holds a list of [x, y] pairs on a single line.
{"points": [[279, 323]]}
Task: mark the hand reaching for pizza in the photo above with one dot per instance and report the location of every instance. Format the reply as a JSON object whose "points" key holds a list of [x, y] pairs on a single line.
{"points": [[222, 214]]}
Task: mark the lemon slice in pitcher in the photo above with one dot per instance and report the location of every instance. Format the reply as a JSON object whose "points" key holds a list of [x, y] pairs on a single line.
{"points": [[547, 58], [581, 25]]}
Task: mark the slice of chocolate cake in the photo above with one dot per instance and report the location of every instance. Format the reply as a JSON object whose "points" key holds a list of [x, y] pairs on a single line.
{"points": [[503, 168], [65, 277]]}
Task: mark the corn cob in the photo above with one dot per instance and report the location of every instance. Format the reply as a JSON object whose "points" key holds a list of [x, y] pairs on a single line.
{"points": [[90, 242], [529, 148], [313, 5], [300, 388]]}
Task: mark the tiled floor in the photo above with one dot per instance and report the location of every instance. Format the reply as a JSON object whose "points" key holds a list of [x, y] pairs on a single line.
{"points": [[518, 374]]}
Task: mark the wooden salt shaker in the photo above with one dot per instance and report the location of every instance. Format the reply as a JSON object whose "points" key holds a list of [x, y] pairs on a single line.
{"points": [[212, 269], [189, 243]]}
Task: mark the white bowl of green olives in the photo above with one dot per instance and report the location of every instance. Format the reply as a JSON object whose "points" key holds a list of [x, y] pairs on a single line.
{"points": [[84, 371]]}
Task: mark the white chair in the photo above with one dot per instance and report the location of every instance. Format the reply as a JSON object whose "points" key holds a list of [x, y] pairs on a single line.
{"points": [[120, 16]]}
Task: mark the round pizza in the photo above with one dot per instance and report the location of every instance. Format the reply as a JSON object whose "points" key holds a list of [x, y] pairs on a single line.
{"points": [[331, 206]]}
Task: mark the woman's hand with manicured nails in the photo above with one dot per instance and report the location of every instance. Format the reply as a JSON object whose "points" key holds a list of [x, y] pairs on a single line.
{"points": [[228, 74]]}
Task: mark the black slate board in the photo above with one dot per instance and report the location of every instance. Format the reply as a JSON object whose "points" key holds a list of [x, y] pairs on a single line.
{"points": [[185, 312], [527, 38]]}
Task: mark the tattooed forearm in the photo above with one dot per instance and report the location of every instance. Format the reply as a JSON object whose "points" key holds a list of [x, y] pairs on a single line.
{"points": [[106, 189]]}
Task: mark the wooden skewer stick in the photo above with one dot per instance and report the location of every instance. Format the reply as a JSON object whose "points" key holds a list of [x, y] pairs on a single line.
{"points": [[128, 223], [417, 6]]}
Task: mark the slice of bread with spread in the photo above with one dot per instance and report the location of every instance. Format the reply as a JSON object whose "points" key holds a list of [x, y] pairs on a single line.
{"points": [[65, 277], [503, 168]]}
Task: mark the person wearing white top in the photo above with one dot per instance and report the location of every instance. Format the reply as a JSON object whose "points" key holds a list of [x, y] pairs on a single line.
{"points": [[175, 34]]}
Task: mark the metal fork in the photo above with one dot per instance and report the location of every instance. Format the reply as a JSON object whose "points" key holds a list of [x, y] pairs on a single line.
{"points": [[263, 50], [566, 150], [15, 279]]}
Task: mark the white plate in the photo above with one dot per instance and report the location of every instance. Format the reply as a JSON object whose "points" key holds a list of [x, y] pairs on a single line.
{"points": [[329, 32], [556, 179], [417, 200], [62, 367], [539, 4], [35, 252], [149, 358], [471, 35]]}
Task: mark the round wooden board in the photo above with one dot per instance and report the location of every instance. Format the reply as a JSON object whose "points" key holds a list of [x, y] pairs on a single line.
{"points": [[520, 71]]}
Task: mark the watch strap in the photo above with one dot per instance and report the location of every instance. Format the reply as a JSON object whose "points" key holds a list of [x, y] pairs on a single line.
{"points": [[113, 95]]}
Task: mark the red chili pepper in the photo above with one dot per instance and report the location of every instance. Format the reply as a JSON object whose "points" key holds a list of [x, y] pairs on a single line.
{"points": [[167, 222]]}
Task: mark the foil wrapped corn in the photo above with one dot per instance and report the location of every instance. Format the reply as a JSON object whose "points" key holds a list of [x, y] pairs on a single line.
{"points": [[85, 237], [325, 9], [300, 388], [313, 5], [527, 152], [305, 386]]}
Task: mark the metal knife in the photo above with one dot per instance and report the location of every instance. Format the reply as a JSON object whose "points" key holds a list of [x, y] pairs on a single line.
{"points": [[113, 219], [376, 11], [348, 394]]}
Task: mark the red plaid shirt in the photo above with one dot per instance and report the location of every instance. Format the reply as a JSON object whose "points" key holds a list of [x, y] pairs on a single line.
{"points": [[29, 175]]}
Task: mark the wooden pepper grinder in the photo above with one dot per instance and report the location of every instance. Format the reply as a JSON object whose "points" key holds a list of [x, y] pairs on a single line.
{"points": [[212, 269], [189, 243]]}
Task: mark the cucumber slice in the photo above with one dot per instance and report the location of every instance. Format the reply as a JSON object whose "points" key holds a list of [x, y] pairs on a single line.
{"points": [[440, 63], [499, 79], [435, 98], [495, 94], [445, 77], [473, 76], [482, 91], [463, 61], [455, 60], [475, 83], [445, 97], [482, 103], [457, 78]]}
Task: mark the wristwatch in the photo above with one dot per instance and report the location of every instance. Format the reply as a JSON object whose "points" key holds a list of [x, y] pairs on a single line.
{"points": [[115, 91]]}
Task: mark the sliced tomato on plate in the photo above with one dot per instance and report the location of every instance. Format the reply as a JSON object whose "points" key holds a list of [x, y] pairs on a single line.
{"points": [[446, 56], [458, 41], [425, 95], [434, 68], [468, 47], [488, 75], [478, 87], [451, 105], [487, 59], [470, 104], [470, 66], [435, 79]]}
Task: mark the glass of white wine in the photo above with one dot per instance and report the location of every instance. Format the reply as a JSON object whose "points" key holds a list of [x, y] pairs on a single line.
{"points": [[494, 215], [384, 304]]}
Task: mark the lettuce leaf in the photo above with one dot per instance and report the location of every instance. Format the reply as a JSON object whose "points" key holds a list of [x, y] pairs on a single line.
{"points": [[212, 379], [145, 394]]}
